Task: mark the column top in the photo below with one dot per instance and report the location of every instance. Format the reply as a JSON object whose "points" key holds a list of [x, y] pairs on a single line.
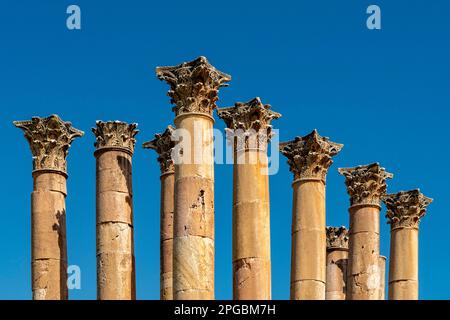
{"points": [[194, 85], [406, 208], [163, 145], [310, 157], [366, 184], [250, 122], [50, 139], [337, 238], [115, 135]]}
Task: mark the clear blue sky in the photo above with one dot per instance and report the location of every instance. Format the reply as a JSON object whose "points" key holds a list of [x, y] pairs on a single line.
{"points": [[384, 94]]}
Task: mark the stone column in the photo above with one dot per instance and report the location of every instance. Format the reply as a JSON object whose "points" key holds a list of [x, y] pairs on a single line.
{"points": [[337, 258], [309, 158], [249, 130], [382, 265], [163, 145], [115, 248], [49, 140], [365, 185], [404, 211], [194, 89]]}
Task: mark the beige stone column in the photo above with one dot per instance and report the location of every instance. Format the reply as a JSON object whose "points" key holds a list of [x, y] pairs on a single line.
{"points": [[163, 145], [337, 258], [404, 211], [382, 265], [115, 247], [193, 88], [49, 140], [365, 185], [249, 129], [309, 158]]}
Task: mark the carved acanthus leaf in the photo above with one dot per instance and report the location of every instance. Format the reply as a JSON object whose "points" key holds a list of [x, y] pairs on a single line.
{"points": [[406, 208], [310, 157], [366, 184], [49, 139], [337, 238], [249, 122], [194, 85], [163, 145], [115, 134]]}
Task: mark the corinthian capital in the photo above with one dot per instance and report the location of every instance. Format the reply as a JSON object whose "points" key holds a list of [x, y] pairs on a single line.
{"points": [[115, 135], [366, 184], [163, 145], [250, 122], [337, 238], [194, 85], [310, 157], [406, 208], [49, 140]]}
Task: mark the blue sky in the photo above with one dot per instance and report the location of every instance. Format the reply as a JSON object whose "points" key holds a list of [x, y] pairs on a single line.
{"points": [[384, 94]]}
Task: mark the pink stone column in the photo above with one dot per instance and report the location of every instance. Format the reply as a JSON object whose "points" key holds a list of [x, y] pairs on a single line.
{"points": [[365, 185], [404, 212], [194, 91], [249, 128], [49, 140], [163, 145], [309, 158], [115, 238]]}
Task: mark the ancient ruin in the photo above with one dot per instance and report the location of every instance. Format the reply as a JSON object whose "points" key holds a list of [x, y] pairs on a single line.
{"points": [[330, 263], [49, 140], [251, 203]]}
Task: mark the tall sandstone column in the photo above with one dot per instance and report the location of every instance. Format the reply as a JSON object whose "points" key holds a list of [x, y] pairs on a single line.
{"points": [[115, 248], [309, 158], [163, 145], [194, 91], [337, 258], [249, 127], [382, 265], [49, 140], [404, 211], [365, 185]]}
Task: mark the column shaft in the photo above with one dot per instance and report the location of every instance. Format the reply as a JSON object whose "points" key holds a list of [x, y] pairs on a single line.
{"points": [[193, 242], [364, 248], [308, 273], [251, 227], [403, 264], [115, 247], [337, 260], [382, 266], [166, 270], [49, 248]]}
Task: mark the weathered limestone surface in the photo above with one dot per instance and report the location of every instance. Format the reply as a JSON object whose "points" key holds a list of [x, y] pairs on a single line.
{"points": [[163, 145], [309, 158], [382, 265], [365, 185], [251, 203], [49, 140], [115, 248], [404, 211], [194, 91], [337, 259]]}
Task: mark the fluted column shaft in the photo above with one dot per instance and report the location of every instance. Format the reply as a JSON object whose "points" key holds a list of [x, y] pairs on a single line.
{"points": [[251, 227], [49, 139], [115, 243]]}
